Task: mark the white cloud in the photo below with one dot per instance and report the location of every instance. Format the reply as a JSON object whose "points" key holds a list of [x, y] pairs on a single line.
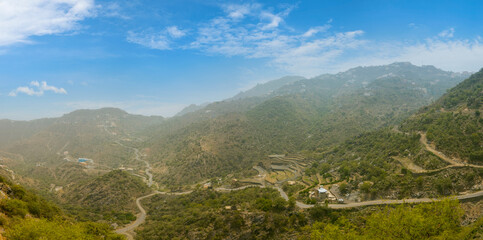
{"points": [[448, 33], [456, 55], [253, 31], [314, 57], [239, 11], [453, 55], [175, 32], [20, 19], [26, 90], [314, 30], [37, 89], [156, 40], [263, 37], [274, 20], [35, 83], [111, 9]]}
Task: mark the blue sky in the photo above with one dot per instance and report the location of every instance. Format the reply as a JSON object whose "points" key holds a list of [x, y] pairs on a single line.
{"points": [[155, 57]]}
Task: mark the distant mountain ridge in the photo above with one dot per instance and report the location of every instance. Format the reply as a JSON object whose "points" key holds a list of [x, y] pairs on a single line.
{"points": [[437, 151], [47, 149], [427, 77], [267, 88], [285, 115], [304, 114]]}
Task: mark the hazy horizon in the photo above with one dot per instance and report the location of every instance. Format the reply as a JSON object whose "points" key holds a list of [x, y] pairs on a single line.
{"points": [[119, 106]]}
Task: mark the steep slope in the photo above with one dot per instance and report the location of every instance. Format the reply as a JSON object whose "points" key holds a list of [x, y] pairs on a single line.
{"points": [[255, 213], [265, 89], [191, 108], [24, 215], [398, 162], [49, 152], [454, 123], [303, 115], [110, 197]]}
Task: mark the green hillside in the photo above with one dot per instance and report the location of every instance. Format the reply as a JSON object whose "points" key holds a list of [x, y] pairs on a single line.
{"points": [[454, 122], [399, 162], [304, 115], [26, 216], [255, 213], [48, 150], [110, 197]]}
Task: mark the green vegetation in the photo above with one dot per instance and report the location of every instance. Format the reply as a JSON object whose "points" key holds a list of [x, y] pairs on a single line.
{"points": [[250, 213], [26, 216], [110, 197], [39, 145], [33, 229], [292, 189], [439, 220], [20, 202], [342, 122], [454, 122], [256, 213], [370, 158], [377, 157], [305, 115]]}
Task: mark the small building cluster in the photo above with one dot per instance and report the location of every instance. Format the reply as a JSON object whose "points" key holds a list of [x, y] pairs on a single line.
{"points": [[125, 168], [322, 194], [208, 185], [85, 161]]}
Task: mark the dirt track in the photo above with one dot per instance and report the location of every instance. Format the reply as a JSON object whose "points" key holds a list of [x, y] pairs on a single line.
{"points": [[128, 230], [141, 217], [453, 162]]}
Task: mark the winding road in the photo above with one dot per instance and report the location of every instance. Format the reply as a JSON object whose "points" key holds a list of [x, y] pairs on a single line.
{"points": [[149, 179], [128, 230], [453, 162], [141, 216]]}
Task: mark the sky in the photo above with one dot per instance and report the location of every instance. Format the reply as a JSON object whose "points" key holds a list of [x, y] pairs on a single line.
{"points": [[156, 57]]}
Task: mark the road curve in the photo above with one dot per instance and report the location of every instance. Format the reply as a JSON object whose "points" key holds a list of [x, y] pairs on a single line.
{"points": [[390, 201], [455, 162], [141, 216]]}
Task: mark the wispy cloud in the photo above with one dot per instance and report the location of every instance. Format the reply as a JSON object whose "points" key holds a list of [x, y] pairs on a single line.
{"points": [[448, 33], [157, 40], [262, 35], [239, 11], [37, 89], [111, 9], [254, 31], [21, 19], [175, 32], [314, 30]]}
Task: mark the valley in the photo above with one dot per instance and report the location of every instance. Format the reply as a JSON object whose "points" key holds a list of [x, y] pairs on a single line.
{"points": [[335, 144], [241, 119]]}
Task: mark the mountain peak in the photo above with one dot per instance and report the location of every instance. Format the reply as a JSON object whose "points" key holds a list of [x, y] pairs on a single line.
{"points": [[95, 113], [403, 64]]}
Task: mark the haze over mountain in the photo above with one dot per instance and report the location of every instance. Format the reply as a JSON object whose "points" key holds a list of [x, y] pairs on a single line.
{"points": [[360, 127], [285, 115], [303, 114]]}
